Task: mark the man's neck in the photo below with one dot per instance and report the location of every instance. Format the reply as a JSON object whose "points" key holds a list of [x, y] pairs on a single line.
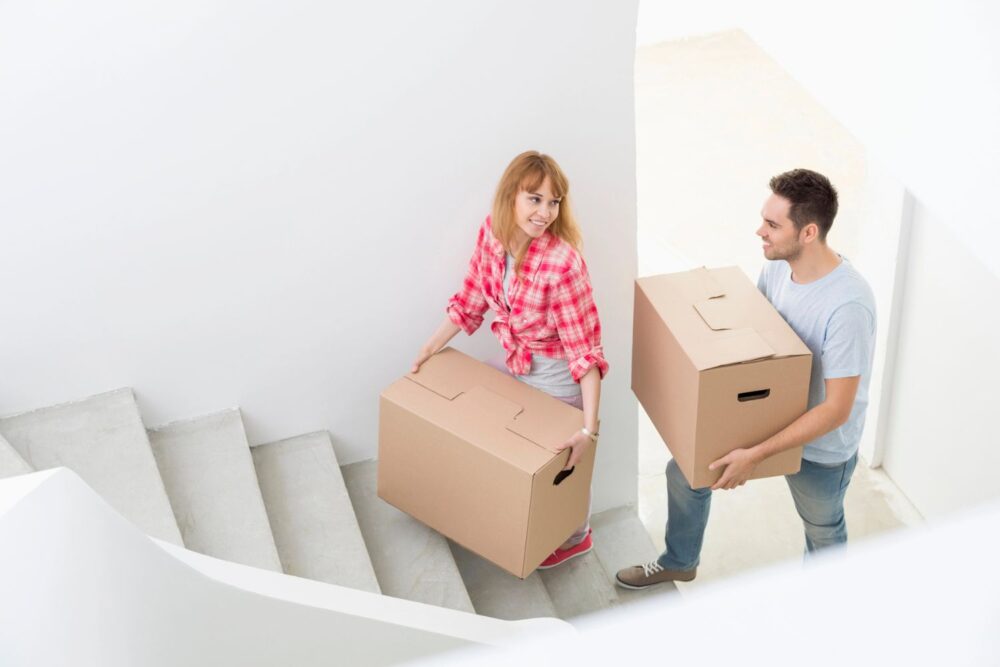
{"points": [[813, 263]]}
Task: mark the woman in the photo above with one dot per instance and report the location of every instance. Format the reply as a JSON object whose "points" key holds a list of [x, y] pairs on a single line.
{"points": [[527, 268]]}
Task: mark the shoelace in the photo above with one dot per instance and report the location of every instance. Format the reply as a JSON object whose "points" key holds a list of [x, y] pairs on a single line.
{"points": [[651, 568]]}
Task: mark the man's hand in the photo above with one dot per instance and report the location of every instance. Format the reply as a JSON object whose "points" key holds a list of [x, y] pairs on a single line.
{"points": [[579, 442], [739, 463]]}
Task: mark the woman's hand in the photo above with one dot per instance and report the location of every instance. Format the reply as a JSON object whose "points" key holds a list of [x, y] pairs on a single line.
{"points": [[579, 443], [422, 356], [445, 332]]}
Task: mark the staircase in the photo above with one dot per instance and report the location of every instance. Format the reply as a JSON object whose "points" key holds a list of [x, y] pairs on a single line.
{"points": [[288, 506]]}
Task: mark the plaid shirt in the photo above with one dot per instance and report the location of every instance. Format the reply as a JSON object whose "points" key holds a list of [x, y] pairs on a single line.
{"points": [[551, 309]]}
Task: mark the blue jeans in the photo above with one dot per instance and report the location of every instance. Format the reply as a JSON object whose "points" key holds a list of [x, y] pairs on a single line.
{"points": [[817, 489]]}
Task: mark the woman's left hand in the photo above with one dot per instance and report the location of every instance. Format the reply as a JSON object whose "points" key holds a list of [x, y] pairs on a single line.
{"points": [[579, 443]]}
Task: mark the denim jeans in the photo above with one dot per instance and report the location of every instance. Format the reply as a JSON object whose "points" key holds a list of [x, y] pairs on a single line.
{"points": [[817, 489]]}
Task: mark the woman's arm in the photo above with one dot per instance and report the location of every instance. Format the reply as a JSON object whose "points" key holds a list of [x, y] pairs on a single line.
{"points": [[579, 329], [590, 387], [445, 332], [465, 308]]}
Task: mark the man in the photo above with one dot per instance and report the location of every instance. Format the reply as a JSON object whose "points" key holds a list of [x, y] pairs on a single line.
{"points": [[832, 309]]}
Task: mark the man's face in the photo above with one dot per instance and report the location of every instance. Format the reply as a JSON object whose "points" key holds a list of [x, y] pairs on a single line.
{"points": [[777, 231]]}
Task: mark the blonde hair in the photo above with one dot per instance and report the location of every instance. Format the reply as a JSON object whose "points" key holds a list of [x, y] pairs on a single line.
{"points": [[527, 172]]}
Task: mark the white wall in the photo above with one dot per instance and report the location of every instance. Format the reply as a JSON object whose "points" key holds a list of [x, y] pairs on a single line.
{"points": [[942, 446], [916, 83], [919, 89], [268, 204]]}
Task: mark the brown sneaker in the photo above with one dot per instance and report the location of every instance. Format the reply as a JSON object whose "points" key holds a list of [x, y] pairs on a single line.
{"points": [[650, 574]]}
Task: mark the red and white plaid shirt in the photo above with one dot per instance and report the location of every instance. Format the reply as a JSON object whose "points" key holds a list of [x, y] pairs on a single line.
{"points": [[551, 309]]}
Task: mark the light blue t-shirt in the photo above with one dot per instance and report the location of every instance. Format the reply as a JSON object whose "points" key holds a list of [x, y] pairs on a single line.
{"points": [[835, 317]]}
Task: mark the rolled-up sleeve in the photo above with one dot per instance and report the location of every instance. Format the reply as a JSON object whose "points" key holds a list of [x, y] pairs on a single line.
{"points": [[578, 323], [467, 306]]}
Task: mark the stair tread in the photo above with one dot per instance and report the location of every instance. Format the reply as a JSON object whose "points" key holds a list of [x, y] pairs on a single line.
{"points": [[101, 439], [209, 475], [411, 561], [497, 593], [310, 512], [586, 584], [621, 540], [580, 586]]}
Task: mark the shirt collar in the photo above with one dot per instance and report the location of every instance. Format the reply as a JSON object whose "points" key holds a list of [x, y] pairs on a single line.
{"points": [[535, 254], [493, 243]]}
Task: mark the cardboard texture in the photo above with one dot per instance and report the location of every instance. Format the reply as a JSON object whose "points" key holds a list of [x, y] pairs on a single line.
{"points": [[470, 452], [716, 368]]}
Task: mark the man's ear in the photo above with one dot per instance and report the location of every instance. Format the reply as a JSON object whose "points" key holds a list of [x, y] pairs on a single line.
{"points": [[809, 233]]}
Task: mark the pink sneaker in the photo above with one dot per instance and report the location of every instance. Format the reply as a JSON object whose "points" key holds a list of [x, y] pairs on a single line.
{"points": [[560, 556]]}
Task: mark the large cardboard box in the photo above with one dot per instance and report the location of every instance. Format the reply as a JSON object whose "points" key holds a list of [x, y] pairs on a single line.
{"points": [[470, 452], [716, 368]]}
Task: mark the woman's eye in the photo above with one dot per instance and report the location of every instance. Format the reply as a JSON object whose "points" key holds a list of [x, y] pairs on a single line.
{"points": [[534, 200]]}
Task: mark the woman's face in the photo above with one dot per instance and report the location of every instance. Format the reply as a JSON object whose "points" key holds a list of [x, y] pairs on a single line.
{"points": [[535, 210]]}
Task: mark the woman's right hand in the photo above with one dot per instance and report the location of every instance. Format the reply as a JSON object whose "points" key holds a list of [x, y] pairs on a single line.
{"points": [[423, 356], [445, 332]]}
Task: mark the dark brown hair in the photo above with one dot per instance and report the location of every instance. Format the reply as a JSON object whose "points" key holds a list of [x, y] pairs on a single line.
{"points": [[813, 198]]}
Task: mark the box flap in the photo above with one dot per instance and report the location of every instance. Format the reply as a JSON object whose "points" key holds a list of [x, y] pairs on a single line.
{"points": [[732, 346], [446, 376], [499, 414], [710, 287], [719, 317], [478, 406], [542, 429], [720, 313]]}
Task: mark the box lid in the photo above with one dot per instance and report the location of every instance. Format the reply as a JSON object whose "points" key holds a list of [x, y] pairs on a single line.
{"points": [[512, 421], [720, 318]]}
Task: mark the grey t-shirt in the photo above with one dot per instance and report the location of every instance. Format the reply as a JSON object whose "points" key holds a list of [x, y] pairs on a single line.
{"points": [[835, 317], [550, 375]]}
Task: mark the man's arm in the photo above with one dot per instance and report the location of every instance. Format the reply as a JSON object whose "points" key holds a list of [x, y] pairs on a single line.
{"points": [[832, 413]]}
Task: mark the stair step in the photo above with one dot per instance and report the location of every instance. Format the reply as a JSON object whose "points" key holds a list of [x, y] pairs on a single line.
{"points": [[411, 561], [11, 463], [210, 479], [310, 512], [497, 593], [102, 440], [580, 586], [620, 540]]}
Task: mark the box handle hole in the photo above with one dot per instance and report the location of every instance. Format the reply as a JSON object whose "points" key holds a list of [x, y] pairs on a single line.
{"points": [[753, 395], [561, 475]]}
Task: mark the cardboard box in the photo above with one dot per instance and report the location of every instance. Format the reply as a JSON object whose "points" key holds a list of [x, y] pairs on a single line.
{"points": [[470, 452], [716, 368]]}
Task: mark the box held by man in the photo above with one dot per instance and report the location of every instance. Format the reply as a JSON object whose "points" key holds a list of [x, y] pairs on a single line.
{"points": [[716, 368]]}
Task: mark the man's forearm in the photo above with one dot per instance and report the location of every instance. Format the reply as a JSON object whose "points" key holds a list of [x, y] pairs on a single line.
{"points": [[814, 423]]}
